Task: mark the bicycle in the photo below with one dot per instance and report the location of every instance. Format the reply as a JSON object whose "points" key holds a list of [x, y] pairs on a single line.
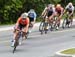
{"points": [[67, 22], [43, 25], [16, 43]]}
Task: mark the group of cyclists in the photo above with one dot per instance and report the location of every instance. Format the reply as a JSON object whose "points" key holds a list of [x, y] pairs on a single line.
{"points": [[27, 20], [52, 10]]}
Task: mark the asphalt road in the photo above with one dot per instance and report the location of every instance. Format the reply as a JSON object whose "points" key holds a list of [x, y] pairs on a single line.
{"points": [[38, 45]]}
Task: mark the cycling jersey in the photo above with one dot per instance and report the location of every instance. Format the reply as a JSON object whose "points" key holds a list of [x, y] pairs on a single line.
{"points": [[70, 9], [22, 22], [50, 11], [58, 10], [31, 15]]}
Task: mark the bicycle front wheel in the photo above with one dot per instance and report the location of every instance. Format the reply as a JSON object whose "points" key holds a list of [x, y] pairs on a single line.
{"points": [[41, 27], [15, 45], [64, 23]]}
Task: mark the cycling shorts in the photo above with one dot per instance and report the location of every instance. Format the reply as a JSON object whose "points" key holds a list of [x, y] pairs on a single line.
{"points": [[31, 19], [50, 13], [20, 26]]}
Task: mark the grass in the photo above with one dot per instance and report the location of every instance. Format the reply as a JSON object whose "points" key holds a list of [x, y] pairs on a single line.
{"points": [[69, 51]]}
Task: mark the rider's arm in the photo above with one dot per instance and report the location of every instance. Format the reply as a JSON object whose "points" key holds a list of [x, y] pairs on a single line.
{"points": [[28, 22], [35, 15], [62, 11], [43, 13], [66, 8], [17, 23], [27, 26]]}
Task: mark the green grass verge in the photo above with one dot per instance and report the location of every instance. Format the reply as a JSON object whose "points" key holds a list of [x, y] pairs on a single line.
{"points": [[69, 51]]}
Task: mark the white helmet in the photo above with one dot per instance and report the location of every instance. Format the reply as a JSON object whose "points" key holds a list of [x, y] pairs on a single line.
{"points": [[70, 4], [24, 15], [49, 5]]}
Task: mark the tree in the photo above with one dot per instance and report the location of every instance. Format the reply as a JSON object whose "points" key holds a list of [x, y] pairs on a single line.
{"points": [[10, 10]]}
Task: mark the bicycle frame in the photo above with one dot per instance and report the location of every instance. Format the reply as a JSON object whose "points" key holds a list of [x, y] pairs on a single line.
{"points": [[17, 40]]}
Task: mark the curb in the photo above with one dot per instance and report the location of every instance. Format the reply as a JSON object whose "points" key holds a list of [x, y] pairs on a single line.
{"points": [[58, 54], [12, 26], [35, 25], [6, 28]]}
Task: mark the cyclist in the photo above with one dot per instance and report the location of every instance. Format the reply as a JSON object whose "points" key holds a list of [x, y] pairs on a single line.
{"points": [[32, 17], [44, 13], [49, 12], [21, 24], [70, 11], [59, 12]]}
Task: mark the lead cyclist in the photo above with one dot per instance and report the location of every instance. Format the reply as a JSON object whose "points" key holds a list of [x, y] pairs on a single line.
{"points": [[22, 24]]}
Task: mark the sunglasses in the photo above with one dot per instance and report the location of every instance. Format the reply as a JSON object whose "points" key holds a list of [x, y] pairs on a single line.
{"points": [[24, 18]]}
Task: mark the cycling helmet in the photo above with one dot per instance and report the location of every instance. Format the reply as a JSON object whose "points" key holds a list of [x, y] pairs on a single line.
{"points": [[70, 4], [49, 5], [31, 10], [24, 15]]}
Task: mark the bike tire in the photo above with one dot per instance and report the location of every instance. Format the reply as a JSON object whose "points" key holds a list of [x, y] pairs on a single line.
{"points": [[45, 27], [41, 27], [15, 45], [14, 49], [64, 23], [45, 31]]}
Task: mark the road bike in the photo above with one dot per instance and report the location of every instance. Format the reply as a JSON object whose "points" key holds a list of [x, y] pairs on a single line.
{"points": [[21, 34], [67, 22], [43, 25]]}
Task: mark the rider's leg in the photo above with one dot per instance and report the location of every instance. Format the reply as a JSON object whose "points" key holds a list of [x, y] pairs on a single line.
{"points": [[59, 21], [71, 18], [51, 20], [32, 21]]}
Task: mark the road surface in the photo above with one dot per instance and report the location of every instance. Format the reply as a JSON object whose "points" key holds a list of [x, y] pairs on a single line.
{"points": [[38, 45]]}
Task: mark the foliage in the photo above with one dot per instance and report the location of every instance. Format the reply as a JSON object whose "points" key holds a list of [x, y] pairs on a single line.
{"points": [[10, 10]]}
